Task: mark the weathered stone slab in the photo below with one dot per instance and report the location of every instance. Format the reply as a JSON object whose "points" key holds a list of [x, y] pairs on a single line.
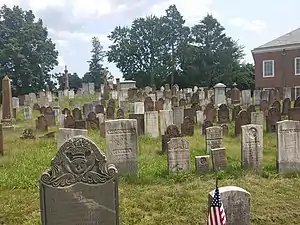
{"points": [[213, 138], [202, 164], [178, 155], [67, 133]]}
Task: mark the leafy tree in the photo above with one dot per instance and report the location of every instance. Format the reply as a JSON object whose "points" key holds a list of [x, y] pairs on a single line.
{"points": [[27, 54], [96, 70], [75, 82], [244, 77], [138, 51]]}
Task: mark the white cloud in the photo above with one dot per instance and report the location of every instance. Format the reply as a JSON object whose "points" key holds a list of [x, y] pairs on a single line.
{"points": [[43, 4], [255, 25], [192, 10], [61, 61]]}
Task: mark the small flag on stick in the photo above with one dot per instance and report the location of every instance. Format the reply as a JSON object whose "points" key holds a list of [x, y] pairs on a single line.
{"points": [[217, 213]]}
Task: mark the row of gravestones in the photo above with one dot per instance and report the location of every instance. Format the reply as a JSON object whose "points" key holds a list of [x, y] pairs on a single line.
{"points": [[82, 188]]}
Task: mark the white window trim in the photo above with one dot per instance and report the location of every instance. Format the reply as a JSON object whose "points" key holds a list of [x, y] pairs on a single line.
{"points": [[296, 87], [295, 62], [273, 68]]}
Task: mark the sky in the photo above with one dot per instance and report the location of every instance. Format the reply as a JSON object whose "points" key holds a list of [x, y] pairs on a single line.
{"points": [[72, 23]]}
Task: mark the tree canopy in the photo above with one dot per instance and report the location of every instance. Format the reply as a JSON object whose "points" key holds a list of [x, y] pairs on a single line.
{"points": [[27, 54], [158, 50]]}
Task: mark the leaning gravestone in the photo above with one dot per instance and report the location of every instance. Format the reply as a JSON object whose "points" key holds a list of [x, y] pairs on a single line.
{"points": [[236, 203], [79, 188]]}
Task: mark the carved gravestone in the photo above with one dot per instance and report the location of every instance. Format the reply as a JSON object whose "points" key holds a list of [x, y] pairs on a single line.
{"points": [[236, 203], [235, 96], [174, 101], [110, 113], [189, 113], [159, 104], [219, 160], [235, 111], [99, 109], [241, 119], [49, 114], [41, 124], [140, 123], [92, 121], [178, 155], [66, 111], [205, 125], [223, 114], [273, 117], [297, 102], [286, 105], [69, 122], [120, 114], [79, 188], [202, 164], [148, 104], [213, 138], [182, 102], [277, 105], [171, 132], [187, 128], [264, 105], [77, 114], [210, 112], [195, 98]]}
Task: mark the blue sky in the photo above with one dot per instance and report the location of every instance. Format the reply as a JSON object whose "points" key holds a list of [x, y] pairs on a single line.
{"points": [[72, 23]]}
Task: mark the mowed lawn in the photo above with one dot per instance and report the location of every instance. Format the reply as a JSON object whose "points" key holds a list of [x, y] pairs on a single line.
{"points": [[155, 197]]}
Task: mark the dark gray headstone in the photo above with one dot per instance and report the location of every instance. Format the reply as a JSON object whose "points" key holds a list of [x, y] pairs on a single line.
{"points": [[79, 188]]}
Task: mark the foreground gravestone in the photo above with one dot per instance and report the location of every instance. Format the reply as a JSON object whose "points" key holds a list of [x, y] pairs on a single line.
{"points": [[121, 145], [252, 146], [288, 138], [236, 203], [79, 188], [178, 155]]}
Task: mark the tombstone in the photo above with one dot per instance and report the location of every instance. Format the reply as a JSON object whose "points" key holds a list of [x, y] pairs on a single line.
{"points": [[241, 119], [77, 114], [92, 121], [250, 109], [99, 109], [205, 125], [246, 97], [159, 104], [80, 124], [235, 111], [178, 116], [36, 106], [225, 129], [288, 148], [264, 105], [166, 119], [210, 112], [219, 94], [187, 127], [219, 160], [41, 124], [50, 116], [223, 114], [257, 118], [65, 134], [121, 145], [148, 104], [151, 124], [110, 113], [69, 122], [182, 102], [27, 113], [202, 164], [213, 138], [66, 111], [171, 132], [286, 105], [256, 97], [89, 195], [276, 104], [235, 96], [236, 203], [140, 123], [252, 146], [200, 117], [178, 155], [42, 110], [273, 117], [28, 133], [120, 114], [294, 114], [138, 108], [87, 108], [195, 98], [174, 101], [189, 113]]}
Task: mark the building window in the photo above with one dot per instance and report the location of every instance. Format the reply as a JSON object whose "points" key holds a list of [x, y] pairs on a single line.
{"points": [[297, 66], [268, 68], [297, 91]]}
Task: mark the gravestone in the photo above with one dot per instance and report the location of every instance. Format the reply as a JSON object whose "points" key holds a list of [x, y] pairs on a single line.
{"points": [[178, 155], [92, 121], [202, 164], [50, 116], [241, 119], [66, 111], [210, 112], [187, 127], [257, 118], [235, 96], [77, 114], [120, 114], [213, 138], [140, 123], [252, 146], [223, 114], [166, 119], [182, 102], [148, 104], [41, 124], [205, 125], [264, 105], [159, 104], [189, 113], [273, 117], [80, 124], [178, 116], [286, 105], [79, 188], [235, 111], [174, 101], [151, 124], [277, 105], [294, 114], [69, 122], [7, 108], [225, 129], [236, 203], [250, 109], [99, 109], [121, 145], [110, 113], [171, 132], [219, 160], [288, 148], [65, 134], [297, 102]]}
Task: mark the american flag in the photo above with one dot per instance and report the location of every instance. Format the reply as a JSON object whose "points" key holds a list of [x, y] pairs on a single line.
{"points": [[217, 213]]}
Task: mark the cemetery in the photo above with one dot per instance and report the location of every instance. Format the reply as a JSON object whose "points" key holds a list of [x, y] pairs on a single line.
{"points": [[125, 155]]}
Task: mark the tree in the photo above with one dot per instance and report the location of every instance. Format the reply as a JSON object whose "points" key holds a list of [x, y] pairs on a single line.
{"points": [[96, 70], [138, 51], [27, 54], [75, 82], [244, 77]]}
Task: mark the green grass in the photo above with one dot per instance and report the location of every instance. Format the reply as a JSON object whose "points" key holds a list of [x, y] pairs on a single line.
{"points": [[155, 197]]}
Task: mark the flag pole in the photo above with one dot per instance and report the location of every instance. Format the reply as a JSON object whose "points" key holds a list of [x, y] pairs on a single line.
{"points": [[217, 182]]}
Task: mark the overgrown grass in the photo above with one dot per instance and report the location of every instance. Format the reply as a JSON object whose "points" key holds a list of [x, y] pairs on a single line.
{"points": [[155, 197]]}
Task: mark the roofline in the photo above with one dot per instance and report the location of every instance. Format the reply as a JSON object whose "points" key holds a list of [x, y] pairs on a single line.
{"points": [[276, 48]]}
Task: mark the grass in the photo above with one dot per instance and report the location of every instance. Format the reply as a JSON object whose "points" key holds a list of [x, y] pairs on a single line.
{"points": [[155, 197]]}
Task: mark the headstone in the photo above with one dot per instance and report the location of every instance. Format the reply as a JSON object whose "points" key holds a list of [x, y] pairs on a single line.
{"points": [[219, 160], [77, 114], [151, 124], [166, 119], [148, 104], [187, 127], [223, 114], [257, 118], [286, 105], [205, 125], [178, 116], [171, 132], [241, 119], [140, 123], [252, 146], [273, 117], [202, 164], [220, 96], [69, 122], [246, 97], [110, 113], [79, 188], [120, 114], [121, 145], [66, 133], [92, 121], [7, 109], [41, 124], [236, 203], [178, 155], [213, 138]]}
